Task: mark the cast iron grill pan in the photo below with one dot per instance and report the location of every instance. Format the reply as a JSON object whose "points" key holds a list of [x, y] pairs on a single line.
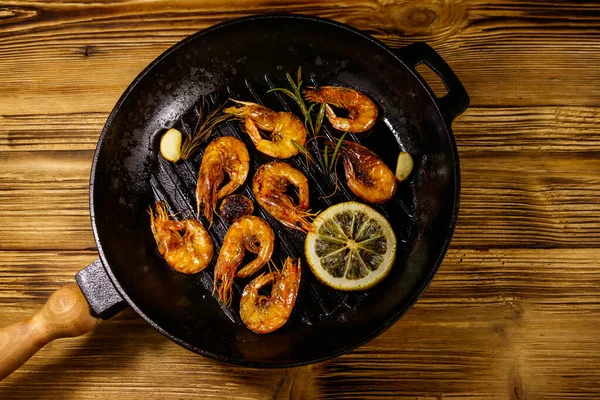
{"points": [[243, 59]]}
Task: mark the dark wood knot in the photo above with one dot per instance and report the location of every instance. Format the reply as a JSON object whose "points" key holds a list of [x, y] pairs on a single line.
{"points": [[14, 15], [423, 18], [411, 17], [418, 18]]}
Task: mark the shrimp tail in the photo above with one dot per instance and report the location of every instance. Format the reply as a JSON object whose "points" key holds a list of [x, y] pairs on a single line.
{"points": [[206, 207], [252, 131], [223, 289], [207, 191], [320, 95], [264, 279], [313, 94]]}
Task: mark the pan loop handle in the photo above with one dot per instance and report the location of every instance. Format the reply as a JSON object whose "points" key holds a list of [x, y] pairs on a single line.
{"points": [[456, 100]]}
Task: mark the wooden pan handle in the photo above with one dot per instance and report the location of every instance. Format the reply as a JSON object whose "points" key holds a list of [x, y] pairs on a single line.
{"points": [[65, 314]]}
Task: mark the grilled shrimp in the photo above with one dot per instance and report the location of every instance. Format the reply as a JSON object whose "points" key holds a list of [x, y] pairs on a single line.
{"points": [[362, 111], [246, 233], [189, 253], [284, 127], [269, 186], [264, 314], [224, 155], [367, 175]]}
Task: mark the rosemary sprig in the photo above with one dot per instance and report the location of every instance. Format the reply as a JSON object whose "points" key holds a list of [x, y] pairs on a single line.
{"points": [[303, 150], [208, 119], [308, 120], [336, 150], [313, 127], [320, 117]]}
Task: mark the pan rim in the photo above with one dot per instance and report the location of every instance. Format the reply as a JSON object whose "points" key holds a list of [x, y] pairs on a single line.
{"points": [[329, 355]]}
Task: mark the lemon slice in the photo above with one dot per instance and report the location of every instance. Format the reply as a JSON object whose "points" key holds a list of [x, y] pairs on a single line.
{"points": [[353, 247]]}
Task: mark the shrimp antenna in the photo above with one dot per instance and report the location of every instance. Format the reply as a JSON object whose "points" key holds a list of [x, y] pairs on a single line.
{"points": [[303, 218], [152, 218], [271, 265], [190, 214], [174, 215], [315, 137], [237, 112], [277, 269], [246, 103], [337, 186]]}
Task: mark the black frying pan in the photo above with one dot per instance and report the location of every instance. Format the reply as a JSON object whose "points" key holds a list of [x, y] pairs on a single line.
{"points": [[243, 59]]}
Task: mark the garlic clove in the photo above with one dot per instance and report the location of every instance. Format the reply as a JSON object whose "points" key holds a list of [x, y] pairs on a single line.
{"points": [[170, 145], [404, 166]]}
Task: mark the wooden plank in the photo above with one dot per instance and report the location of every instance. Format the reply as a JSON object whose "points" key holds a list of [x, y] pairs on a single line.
{"points": [[561, 278], [537, 198], [50, 132], [29, 277], [544, 129], [512, 312], [477, 332], [561, 128], [77, 56], [44, 200]]}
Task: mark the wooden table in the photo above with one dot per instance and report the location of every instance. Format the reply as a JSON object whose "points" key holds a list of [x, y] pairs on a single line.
{"points": [[514, 311]]}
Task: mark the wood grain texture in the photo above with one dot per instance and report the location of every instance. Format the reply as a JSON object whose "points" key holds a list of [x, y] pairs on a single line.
{"points": [[534, 42], [492, 322], [536, 198], [512, 313]]}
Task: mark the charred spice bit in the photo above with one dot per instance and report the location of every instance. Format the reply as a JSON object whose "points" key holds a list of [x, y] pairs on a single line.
{"points": [[235, 206]]}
